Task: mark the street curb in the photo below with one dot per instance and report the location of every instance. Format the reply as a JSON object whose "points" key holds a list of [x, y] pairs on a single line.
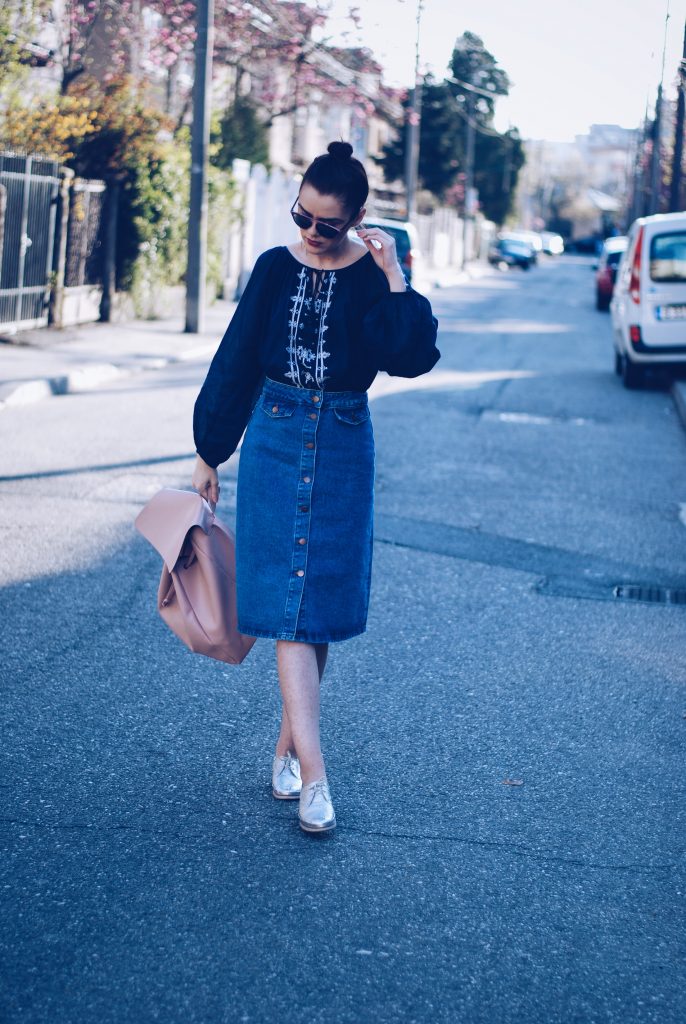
{"points": [[678, 391], [90, 376]]}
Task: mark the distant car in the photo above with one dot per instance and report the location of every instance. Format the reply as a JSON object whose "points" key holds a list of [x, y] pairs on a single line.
{"points": [[512, 252], [606, 269], [591, 244], [406, 244], [649, 302], [553, 244], [532, 238]]}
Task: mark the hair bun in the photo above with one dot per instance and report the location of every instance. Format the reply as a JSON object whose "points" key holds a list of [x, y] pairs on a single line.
{"points": [[340, 150]]}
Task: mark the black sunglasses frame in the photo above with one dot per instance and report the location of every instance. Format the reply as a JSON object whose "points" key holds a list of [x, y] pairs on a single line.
{"points": [[328, 231]]}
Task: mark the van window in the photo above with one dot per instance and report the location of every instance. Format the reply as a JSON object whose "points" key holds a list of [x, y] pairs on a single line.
{"points": [[613, 258], [668, 257]]}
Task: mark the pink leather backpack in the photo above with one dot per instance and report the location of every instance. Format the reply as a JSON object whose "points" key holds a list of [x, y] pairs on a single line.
{"points": [[197, 591]]}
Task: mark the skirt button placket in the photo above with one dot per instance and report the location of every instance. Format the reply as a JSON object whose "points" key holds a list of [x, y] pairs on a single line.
{"points": [[303, 509]]}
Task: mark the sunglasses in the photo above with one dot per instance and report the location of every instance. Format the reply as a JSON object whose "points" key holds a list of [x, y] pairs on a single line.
{"points": [[325, 230]]}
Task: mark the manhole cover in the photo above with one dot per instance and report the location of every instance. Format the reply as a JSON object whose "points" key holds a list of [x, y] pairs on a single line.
{"points": [[652, 594]]}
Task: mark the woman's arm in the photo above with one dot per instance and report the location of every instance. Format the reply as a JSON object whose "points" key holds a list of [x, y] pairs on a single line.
{"points": [[385, 256], [222, 408], [400, 328]]}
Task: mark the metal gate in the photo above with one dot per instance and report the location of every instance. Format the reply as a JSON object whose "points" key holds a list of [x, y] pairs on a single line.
{"points": [[32, 187], [84, 243]]}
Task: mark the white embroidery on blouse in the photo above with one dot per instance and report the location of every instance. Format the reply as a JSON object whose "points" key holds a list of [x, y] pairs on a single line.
{"points": [[322, 356], [293, 328], [300, 357]]}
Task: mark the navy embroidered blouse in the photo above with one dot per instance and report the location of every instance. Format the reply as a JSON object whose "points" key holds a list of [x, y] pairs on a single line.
{"points": [[329, 330]]}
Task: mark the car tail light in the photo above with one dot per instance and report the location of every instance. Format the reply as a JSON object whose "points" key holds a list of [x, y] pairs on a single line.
{"points": [[635, 334], [408, 259], [635, 282]]}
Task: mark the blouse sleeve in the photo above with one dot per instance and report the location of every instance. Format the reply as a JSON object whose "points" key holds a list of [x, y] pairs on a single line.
{"points": [[222, 409], [400, 330]]}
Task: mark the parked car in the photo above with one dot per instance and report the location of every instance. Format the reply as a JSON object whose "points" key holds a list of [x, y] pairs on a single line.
{"points": [[649, 302], [553, 244], [589, 245], [532, 237], [511, 252], [406, 244], [606, 269]]}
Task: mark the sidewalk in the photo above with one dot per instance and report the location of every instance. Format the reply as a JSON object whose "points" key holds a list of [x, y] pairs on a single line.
{"points": [[41, 363]]}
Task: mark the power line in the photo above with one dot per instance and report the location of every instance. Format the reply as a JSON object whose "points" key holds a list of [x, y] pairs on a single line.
{"points": [[489, 93], [477, 126]]}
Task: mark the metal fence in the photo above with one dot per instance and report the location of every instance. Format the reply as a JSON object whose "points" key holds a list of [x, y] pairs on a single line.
{"points": [[84, 257], [31, 191], [51, 244]]}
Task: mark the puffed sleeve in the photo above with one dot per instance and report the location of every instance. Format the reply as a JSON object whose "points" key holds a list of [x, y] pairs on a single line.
{"points": [[400, 330], [222, 409]]}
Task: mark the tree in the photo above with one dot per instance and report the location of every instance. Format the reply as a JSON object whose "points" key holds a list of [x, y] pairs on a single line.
{"points": [[469, 94], [498, 160], [471, 64], [240, 134], [439, 138]]}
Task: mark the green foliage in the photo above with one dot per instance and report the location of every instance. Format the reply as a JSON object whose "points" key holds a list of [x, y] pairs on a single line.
{"points": [[439, 133], [497, 163], [153, 225], [107, 132], [472, 63], [156, 207], [19, 20], [240, 134]]}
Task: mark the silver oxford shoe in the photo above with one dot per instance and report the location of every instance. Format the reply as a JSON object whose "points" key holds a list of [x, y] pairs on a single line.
{"points": [[286, 781], [316, 812]]}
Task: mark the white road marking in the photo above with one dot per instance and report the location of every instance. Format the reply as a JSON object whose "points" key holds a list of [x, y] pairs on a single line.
{"points": [[527, 417]]}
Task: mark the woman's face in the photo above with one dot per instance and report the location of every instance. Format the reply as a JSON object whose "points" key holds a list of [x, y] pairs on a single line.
{"points": [[329, 210]]}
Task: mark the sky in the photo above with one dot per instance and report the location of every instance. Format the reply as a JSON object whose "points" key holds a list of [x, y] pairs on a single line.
{"points": [[572, 63]]}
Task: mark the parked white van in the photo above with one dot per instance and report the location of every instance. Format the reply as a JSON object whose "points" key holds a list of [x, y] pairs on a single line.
{"points": [[649, 302]]}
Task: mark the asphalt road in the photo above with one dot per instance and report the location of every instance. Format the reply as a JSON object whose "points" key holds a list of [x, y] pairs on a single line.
{"points": [[505, 745]]}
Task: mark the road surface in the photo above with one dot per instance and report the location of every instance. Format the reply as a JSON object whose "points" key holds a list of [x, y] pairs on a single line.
{"points": [[505, 745]]}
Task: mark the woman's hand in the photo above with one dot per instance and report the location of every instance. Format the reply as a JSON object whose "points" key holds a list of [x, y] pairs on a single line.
{"points": [[205, 481], [384, 254]]}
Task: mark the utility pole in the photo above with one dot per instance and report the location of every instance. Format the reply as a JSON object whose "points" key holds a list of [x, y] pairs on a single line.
{"points": [[414, 119], [656, 155], [655, 161], [677, 162], [200, 139], [469, 177]]}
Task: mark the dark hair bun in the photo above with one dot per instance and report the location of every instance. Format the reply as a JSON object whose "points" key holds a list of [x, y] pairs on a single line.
{"points": [[338, 173], [340, 150]]}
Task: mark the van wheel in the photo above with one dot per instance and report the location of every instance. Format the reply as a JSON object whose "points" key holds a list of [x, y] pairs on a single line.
{"points": [[632, 375], [619, 364]]}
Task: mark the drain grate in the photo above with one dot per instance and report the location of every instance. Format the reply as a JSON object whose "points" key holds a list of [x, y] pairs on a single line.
{"points": [[651, 594]]}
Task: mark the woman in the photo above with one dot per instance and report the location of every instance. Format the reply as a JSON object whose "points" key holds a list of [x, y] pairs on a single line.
{"points": [[317, 321]]}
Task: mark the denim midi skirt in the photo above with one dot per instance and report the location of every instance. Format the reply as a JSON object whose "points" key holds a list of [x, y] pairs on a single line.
{"points": [[304, 524]]}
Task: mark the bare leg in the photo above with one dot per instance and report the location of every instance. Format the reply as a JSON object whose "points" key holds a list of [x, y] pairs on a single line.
{"points": [[301, 667], [285, 741]]}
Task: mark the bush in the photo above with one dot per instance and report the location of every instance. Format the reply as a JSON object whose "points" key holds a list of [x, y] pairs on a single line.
{"points": [[159, 201], [107, 132]]}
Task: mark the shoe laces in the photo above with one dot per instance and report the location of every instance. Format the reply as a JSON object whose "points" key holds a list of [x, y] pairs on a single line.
{"points": [[319, 788], [290, 762]]}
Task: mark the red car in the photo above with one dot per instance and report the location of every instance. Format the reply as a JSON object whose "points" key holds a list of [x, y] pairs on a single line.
{"points": [[606, 270]]}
